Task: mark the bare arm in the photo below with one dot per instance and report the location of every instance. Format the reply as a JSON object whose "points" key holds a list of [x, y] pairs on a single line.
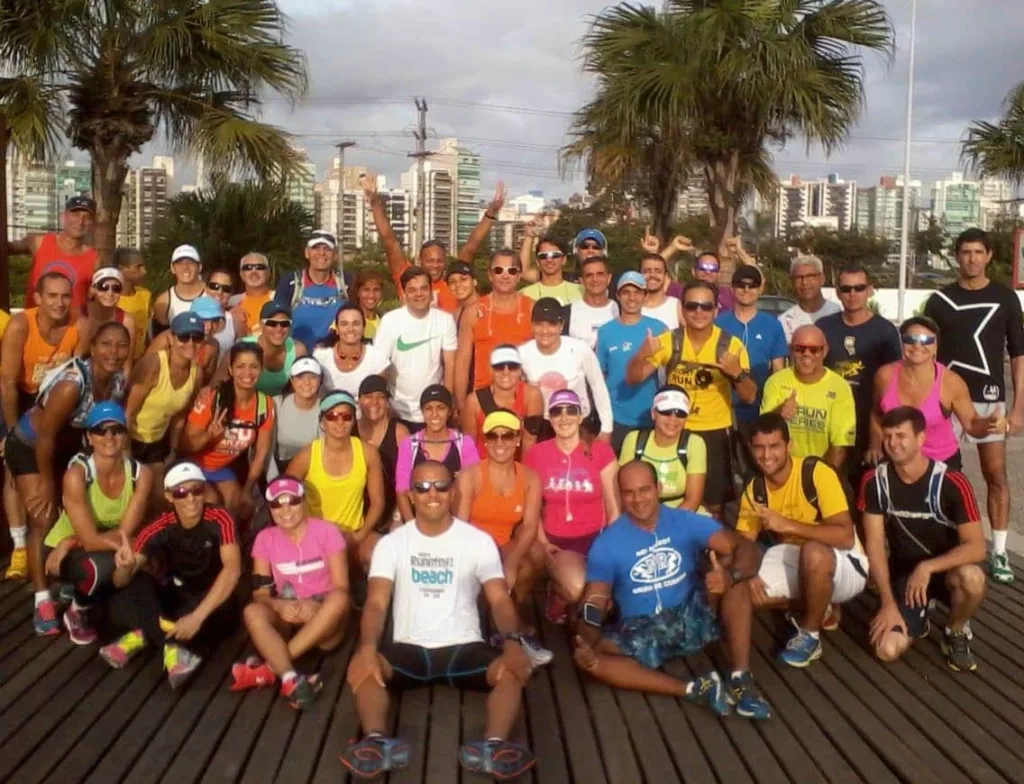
{"points": [[463, 358], [1017, 371], [374, 490], [299, 465], [598, 594], [881, 382], [467, 420], [528, 273], [258, 464], [959, 398], [874, 545], [835, 531], [129, 324], [448, 360], [836, 456], [503, 611], [483, 228], [693, 495], [85, 327], [610, 491], [375, 612], [161, 308], [466, 483], [392, 247], [160, 342], [531, 518], [26, 246], [11, 351]]}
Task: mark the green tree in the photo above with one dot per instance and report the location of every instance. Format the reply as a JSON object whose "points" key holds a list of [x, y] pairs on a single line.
{"points": [[997, 149], [107, 75], [728, 80], [838, 249]]}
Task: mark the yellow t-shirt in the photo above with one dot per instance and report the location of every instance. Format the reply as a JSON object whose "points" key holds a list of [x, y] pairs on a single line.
{"points": [[665, 460], [565, 292], [138, 306], [370, 328], [709, 390], [825, 415], [790, 502], [5, 319]]}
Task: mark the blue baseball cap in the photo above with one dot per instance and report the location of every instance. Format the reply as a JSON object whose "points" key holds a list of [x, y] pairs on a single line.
{"points": [[274, 308], [631, 278], [104, 412], [590, 234], [207, 308], [335, 399], [187, 323]]}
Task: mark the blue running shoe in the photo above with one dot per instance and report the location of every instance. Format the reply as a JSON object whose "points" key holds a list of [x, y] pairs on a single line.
{"points": [[708, 690], [45, 619], [744, 695], [375, 755], [499, 759], [801, 649]]}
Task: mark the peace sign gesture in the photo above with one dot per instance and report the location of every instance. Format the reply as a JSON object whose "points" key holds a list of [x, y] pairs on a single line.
{"points": [[218, 424], [124, 557]]}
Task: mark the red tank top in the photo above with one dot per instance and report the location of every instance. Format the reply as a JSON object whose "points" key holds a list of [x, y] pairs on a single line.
{"points": [[77, 266], [492, 329]]}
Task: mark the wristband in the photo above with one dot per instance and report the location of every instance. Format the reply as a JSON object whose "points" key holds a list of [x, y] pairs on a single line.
{"points": [[513, 637], [490, 217], [737, 576]]}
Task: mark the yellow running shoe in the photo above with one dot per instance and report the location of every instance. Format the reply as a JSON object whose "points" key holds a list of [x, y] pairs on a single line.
{"points": [[18, 567], [119, 653]]}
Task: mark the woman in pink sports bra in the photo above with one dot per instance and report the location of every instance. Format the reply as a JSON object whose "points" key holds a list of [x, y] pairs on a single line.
{"points": [[920, 381]]}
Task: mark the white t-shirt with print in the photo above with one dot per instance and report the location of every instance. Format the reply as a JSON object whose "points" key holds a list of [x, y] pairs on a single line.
{"points": [[585, 320], [667, 312], [437, 581], [797, 317], [414, 346], [573, 365], [373, 363]]}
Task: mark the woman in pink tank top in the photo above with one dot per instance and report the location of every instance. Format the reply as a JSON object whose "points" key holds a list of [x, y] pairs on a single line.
{"points": [[920, 381]]}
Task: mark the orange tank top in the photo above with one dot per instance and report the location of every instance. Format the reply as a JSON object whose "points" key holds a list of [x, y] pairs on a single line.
{"points": [[76, 266], [251, 307], [39, 357], [492, 329], [495, 514]]}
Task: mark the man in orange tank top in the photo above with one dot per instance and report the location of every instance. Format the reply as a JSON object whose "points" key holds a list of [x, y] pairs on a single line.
{"points": [[254, 270], [503, 316], [77, 260]]}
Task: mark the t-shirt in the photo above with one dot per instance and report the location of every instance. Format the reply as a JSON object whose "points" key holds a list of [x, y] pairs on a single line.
{"points": [[912, 525], [437, 581], [976, 327], [765, 341], [293, 430], [616, 345], [825, 412], [414, 347], [574, 366], [138, 305], [856, 354], [191, 555], [5, 319], [572, 496], [709, 390], [565, 292], [242, 427], [797, 317], [665, 460], [790, 501], [585, 320], [651, 571], [313, 314], [373, 363], [300, 568], [667, 312]]}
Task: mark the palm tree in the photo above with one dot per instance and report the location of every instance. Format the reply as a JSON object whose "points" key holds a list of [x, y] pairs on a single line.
{"points": [[106, 75], [729, 80], [997, 149]]}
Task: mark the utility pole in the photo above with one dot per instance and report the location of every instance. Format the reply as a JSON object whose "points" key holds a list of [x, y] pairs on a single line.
{"points": [[5, 262], [421, 154], [342, 146]]}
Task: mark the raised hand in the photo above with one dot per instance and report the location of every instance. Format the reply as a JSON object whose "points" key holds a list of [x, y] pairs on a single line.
{"points": [[650, 243], [729, 364], [682, 244], [650, 346], [368, 182], [498, 200], [218, 424], [788, 408]]}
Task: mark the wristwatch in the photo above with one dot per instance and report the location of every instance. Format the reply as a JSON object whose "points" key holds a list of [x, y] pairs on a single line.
{"points": [[739, 377], [513, 637], [737, 576]]}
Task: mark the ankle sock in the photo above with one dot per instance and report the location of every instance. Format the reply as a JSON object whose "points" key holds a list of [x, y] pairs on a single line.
{"points": [[289, 675], [737, 674], [999, 542], [20, 537], [42, 596]]}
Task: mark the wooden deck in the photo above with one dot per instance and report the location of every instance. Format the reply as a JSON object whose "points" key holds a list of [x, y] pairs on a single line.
{"points": [[66, 717]]}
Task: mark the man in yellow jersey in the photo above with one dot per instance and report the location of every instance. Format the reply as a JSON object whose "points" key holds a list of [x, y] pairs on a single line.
{"points": [[815, 401], [814, 557], [707, 364], [254, 270], [136, 300]]}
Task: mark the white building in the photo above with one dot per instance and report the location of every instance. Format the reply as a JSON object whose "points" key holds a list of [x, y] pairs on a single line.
{"points": [[144, 202], [996, 201], [880, 207], [800, 201], [31, 196], [530, 204], [300, 184], [693, 197], [439, 201]]}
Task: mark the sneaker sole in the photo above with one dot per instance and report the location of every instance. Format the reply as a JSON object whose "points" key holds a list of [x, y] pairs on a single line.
{"points": [[116, 664], [48, 632], [753, 716], [800, 665], [77, 640], [1003, 579]]}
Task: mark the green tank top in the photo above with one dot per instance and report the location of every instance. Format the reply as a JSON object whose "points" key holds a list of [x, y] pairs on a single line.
{"points": [[106, 512], [272, 382]]}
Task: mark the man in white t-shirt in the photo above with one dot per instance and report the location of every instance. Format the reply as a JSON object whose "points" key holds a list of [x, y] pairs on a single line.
{"points": [[807, 273], [588, 315], [435, 567], [658, 304], [420, 341]]}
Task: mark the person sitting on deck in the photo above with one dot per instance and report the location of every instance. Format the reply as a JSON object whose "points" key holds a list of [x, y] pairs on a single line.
{"points": [[927, 515], [648, 563], [436, 566]]}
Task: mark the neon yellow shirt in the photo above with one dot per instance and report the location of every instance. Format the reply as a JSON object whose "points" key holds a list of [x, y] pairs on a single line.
{"points": [[565, 292], [5, 319], [139, 307], [825, 416], [665, 460]]}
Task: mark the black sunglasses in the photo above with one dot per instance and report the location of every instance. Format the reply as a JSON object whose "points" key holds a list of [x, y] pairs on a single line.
{"points": [[180, 493], [117, 288], [678, 413], [253, 267], [496, 436], [282, 323], [693, 307], [440, 485], [502, 366], [219, 286], [108, 430], [284, 500], [192, 337], [860, 288], [564, 410], [503, 270], [589, 246]]}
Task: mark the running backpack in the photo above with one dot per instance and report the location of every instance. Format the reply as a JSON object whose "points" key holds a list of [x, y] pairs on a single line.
{"points": [[721, 346], [933, 498], [88, 464], [759, 486], [682, 448], [262, 406], [299, 286]]}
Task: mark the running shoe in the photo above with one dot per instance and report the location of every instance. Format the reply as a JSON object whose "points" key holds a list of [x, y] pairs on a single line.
{"points": [[302, 690], [743, 693], [556, 608], [539, 655], [999, 565], [45, 619], [830, 622], [375, 755], [121, 651], [76, 621], [181, 664], [500, 759], [801, 650], [17, 569], [708, 690], [956, 646], [246, 676]]}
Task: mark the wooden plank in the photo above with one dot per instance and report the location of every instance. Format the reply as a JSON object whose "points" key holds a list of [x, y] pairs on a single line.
{"points": [[36, 683], [25, 649], [443, 740], [344, 726], [545, 734], [679, 737], [412, 727], [653, 756], [231, 751]]}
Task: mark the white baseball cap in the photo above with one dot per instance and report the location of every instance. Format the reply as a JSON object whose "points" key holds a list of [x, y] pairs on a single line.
{"points": [[185, 252], [107, 273], [306, 365], [671, 400], [181, 473], [503, 355]]}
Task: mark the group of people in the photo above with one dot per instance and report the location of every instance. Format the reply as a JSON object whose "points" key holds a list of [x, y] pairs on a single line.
{"points": [[669, 457]]}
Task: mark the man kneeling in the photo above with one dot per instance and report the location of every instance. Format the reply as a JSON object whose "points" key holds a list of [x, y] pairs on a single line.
{"points": [[929, 517], [648, 562], [436, 566]]}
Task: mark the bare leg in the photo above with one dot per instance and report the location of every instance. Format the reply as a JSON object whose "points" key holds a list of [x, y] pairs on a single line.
{"points": [[967, 590], [372, 702], [14, 511], [736, 610], [37, 529], [569, 571], [993, 467], [892, 646], [325, 626], [817, 569], [265, 628], [625, 672], [503, 702]]}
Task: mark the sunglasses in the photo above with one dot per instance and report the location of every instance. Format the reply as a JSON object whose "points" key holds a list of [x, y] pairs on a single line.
{"points": [[116, 288], [505, 366], [918, 340], [503, 270], [558, 411], [707, 267], [557, 254], [181, 493], [219, 286], [801, 349], [745, 285], [279, 323], [285, 500], [440, 485], [693, 307], [108, 430], [678, 413], [860, 288], [192, 337], [588, 246], [496, 437], [253, 267], [343, 416]]}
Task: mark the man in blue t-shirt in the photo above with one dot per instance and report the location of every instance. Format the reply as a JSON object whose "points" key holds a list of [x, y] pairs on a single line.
{"points": [[761, 333], [315, 293], [617, 341], [649, 564]]}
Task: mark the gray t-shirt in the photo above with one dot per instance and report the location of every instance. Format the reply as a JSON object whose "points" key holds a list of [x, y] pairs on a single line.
{"points": [[293, 430], [797, 317]]}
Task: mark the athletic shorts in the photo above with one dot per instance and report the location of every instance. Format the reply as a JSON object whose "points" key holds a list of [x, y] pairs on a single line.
{"points": [[780, 570], [574, 544], [21, 458], [226, 474], [718, 485], [679, 631], [459, 666], [916, 618], [152, 453], [983, 409]]}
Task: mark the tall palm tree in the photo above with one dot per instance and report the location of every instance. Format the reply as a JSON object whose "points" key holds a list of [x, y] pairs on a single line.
{"points": [[731, 79], [997, 149], [106, 75]]}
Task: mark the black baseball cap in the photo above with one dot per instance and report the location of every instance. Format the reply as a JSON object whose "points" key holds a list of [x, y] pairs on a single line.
{"points": [[438, 393], [80, 204], [745, 273], [547, 309], [458, 268], [372, 384]]}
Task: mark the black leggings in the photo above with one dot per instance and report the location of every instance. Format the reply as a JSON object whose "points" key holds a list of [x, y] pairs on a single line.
{"points": [[90, 574]]}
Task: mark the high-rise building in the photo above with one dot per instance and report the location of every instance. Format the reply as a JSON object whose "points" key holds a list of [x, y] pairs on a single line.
{"points": [[73, 179], [693, 197], [31, 196], [996, 197], [880, 207], [956, 203], [530, 204], [299, 185], [439, 201], [829, 202], [144, 202]]}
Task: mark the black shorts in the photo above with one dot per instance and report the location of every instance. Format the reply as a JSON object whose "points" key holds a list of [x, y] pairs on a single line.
{"points": [[718, 484], [459, 666], [21, 458], [151, 454], [916, 617]]}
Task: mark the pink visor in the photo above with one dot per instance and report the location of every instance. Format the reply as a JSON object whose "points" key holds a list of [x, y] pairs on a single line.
{"points": [[284, 485]]}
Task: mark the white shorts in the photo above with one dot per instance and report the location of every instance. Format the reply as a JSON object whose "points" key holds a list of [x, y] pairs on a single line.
{"points": [[780, 570], [982, 410]]}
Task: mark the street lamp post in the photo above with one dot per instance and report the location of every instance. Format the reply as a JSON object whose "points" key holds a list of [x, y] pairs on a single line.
{"points": [[905, 232]]}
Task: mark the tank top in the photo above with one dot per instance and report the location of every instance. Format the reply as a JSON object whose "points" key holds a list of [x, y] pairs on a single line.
{"points": [[79, 372], [226, 337], [496, 514], [162, 403], [388, 450], [77, 266], [485, 397], [452, 460], [39, 357], [106, 512], [337, 499], [492, 329], [137, 305], [177, 304], [940, 442], [272, 382], [118, 313], [251, 307]]}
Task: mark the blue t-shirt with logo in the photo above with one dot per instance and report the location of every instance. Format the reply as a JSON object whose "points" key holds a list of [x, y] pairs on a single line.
{"points": [[764, 340], [616, 345], [313, 314], [651, 571]]}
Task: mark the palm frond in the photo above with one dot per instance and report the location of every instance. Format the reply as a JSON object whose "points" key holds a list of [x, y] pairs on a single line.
{"points": [[32, 109], [997, 149]]}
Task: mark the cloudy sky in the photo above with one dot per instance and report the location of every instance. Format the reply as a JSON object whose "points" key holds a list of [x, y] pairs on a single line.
{"points": [[504, 78]]}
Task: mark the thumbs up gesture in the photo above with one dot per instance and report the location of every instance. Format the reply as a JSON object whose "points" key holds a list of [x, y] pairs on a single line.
{"points": [[788, 407], [717, 580]]}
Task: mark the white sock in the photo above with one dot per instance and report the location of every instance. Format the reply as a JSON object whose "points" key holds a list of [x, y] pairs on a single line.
{"points": [[76, 606], [20, 536], [999, 542], [285, 677], [42, 596], [736, 674]]}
